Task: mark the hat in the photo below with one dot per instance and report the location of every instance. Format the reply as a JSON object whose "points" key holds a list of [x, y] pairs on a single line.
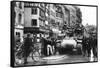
{"points": [[28, 34]]}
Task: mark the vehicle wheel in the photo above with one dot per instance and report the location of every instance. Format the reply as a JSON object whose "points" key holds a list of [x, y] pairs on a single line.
{"points": [[79, 49], [35, 56]]}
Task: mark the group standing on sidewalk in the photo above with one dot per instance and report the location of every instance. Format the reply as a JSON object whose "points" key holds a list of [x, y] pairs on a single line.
{"points": [[49, 46]]}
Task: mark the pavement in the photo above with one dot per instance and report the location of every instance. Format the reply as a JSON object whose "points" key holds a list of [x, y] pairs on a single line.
{"points": [[48, 58], [58, 59], [54, 57]]}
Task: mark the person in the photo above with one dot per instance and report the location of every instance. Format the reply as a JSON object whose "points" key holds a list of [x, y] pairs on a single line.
{"points": [[17, 38], [94, 47], [89, 46], [27, 47], [53, 44], [84, 45], [49, 47], [44, 44]]}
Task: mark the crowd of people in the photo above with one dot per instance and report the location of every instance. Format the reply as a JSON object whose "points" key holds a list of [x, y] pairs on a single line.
{"points": [[89, 44], [49, 46]]}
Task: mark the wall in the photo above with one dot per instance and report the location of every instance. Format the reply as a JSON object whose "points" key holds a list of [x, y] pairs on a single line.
{"points": [[19, 24], [29, 17]]}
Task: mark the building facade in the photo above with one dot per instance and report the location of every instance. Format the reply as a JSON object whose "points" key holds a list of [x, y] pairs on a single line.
{"points": [[70, 19], [36, 19], [41, 18], [19, 19]]}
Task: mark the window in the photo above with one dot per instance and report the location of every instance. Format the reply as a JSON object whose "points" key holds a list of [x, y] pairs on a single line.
{"points": [[18, 34], [20, 5], [34, 22], [52, 13], [34, 10], [20, 16], [42, 14], [58, 23], [41, 22], [42, 5], [59, 15], [17, 37]]}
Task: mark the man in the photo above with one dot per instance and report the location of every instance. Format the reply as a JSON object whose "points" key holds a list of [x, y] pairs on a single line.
{"points": [[94, 47], [44, 44], [27, 47], [53, 44], [49, 47], [85, 43]]}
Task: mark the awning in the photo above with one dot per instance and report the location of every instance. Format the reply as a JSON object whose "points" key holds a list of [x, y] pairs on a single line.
{"points": [[61, 34], [33, 30], [56, 31]]}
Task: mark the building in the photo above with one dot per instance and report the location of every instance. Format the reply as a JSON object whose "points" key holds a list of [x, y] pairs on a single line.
{"points": [[66, 18], [56, 19], [47, 20], [35, 19], [70, 19], [59, 17], [41, 18], [19, 19], [52, 16]]}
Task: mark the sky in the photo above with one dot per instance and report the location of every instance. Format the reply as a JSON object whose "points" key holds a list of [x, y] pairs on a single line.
{"points": [[88, 15]]}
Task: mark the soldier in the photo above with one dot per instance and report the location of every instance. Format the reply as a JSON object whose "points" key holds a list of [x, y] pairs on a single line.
{"points": [[94, 47], [86, 46]]}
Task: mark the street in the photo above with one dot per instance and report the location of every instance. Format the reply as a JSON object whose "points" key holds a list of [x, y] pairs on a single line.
{"points": [[57, 59]]}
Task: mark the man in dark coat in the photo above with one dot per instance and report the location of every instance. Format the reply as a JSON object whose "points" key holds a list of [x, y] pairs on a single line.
{"points": [[86, 46], [95, 47], [53, 44], [93, 43], [88, 41], [44, 44], [27, 47]]}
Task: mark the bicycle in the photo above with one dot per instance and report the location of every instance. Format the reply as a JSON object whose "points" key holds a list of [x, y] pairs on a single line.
{"points": [[36, 55], [19, 54]]}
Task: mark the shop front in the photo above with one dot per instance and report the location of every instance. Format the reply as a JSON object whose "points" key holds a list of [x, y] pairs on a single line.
{"points": [[37, 34]]}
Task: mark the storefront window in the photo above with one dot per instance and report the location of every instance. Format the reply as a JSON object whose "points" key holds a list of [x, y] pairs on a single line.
{"points": [[17, 37], [38, 40], [18, 34]]}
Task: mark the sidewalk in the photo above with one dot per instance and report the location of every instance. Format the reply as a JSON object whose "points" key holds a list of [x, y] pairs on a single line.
{"points": [[54, 57], [50, 58]]}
